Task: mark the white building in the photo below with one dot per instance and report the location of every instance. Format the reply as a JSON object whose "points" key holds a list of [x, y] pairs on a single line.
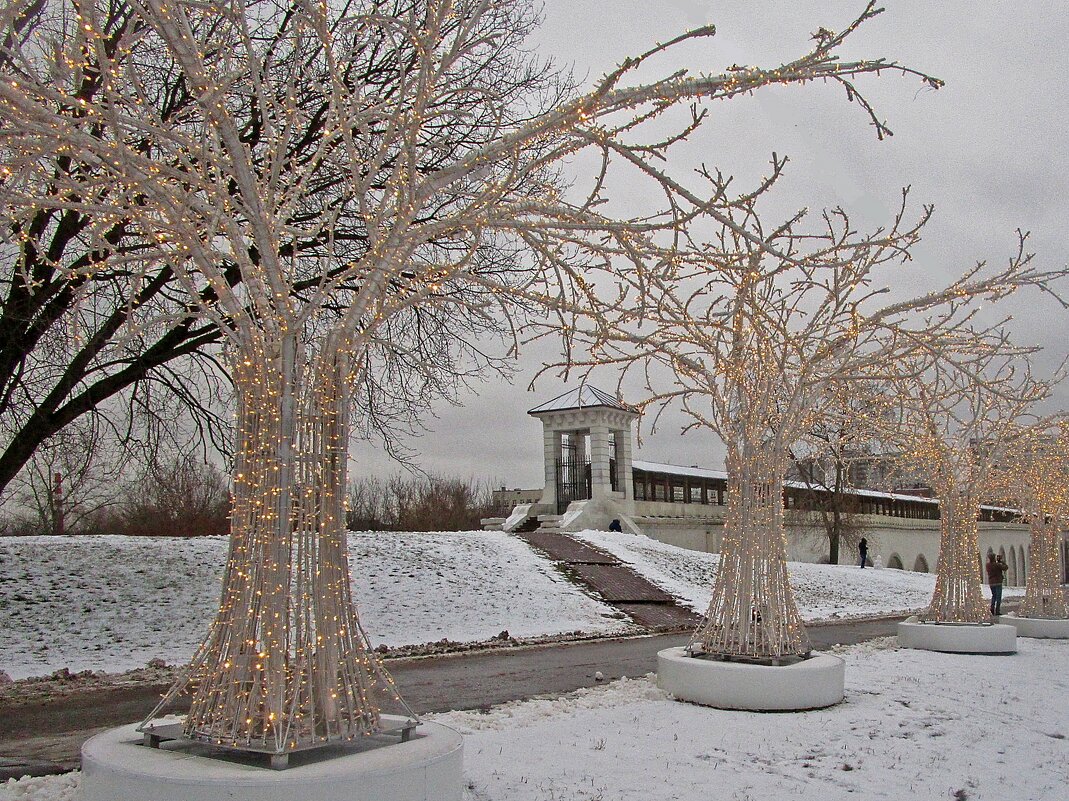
{"points": [[592, 479]]}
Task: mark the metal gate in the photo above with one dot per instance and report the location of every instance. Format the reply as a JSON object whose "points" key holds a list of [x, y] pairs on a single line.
{"points": [[573, 482]]}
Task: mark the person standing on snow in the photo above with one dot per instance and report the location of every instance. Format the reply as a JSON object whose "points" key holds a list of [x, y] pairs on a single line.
{"points": [[996, 571]]}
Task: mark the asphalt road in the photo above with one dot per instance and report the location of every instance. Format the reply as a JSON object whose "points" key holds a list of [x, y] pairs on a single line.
{"points": [[483, 679], [51, 732]]}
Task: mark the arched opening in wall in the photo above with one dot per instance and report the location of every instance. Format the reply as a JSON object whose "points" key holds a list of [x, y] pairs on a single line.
{"points": [[1022, 564], [921, 564], [894, 562], [1011, 574]]}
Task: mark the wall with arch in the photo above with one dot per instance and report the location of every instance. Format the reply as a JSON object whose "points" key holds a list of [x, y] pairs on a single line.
{"points": [[905, 544]]}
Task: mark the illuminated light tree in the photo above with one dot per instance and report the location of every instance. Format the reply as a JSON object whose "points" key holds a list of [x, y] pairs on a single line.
{"points": [[754, 339], [958, 419], [1034, 475], [120, 346], [339, 169]]}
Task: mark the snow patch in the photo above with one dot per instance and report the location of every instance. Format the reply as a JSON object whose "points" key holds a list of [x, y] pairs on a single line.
{"points": [[915, 724]]}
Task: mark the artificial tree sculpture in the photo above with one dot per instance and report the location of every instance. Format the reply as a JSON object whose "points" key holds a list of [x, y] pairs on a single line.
{"points": [[1034, 475], [755, 338], [958, 418], [339, 168]]}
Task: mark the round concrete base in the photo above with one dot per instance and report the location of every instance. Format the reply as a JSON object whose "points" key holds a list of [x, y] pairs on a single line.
{"points": [[958, 638], [116, 767], [1038, 627], [809, 684]]}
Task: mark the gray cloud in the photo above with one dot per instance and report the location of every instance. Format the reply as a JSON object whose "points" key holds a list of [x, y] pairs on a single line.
{"points": [[991, 151]]}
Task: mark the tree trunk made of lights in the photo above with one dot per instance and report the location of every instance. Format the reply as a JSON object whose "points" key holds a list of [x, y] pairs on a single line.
{"points": [[752, 614], [286, 663], [1044, 596], [958, 596]]}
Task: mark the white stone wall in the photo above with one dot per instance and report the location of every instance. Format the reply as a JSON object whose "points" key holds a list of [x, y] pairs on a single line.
{"points": [[915, 542]]}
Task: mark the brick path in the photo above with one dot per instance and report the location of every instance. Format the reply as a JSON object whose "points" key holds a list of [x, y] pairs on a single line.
{"points": [[616, 583]]}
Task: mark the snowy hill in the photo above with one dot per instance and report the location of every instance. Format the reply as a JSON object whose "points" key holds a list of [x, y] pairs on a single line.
{"points": [[114, 603], [822, 591]]}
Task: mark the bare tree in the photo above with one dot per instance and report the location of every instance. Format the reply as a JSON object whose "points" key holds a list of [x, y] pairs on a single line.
{"points": [[176, 497], [70, 480], [417, 503], [832, 515], [368, 505], [835, 456], [754, 338], [337, 171], [77, 332]]}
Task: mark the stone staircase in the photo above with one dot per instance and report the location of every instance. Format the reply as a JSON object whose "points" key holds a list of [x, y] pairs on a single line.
{"points": [[549, 524]]}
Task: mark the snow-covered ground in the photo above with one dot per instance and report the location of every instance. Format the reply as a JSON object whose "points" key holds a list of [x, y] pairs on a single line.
{"points": [[114, 603], [822, 591], [915, 724]]}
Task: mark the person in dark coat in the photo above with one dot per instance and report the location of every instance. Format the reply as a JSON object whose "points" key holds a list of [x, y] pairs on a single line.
{"points": [[996, 572], [863, 549], [615, 526]]}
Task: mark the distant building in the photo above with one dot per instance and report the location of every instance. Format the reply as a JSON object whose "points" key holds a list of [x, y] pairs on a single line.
{"points": [[592, 479], [506, 499]]}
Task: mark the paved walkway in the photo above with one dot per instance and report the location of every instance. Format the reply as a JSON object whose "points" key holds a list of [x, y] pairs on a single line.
{"points": [[49, 734], [613, 581]]}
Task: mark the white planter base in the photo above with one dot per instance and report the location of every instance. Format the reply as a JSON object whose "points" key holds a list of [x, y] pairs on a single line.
{"points": [[116, 767], [1038, 627], [810, 684], [958, 638]]}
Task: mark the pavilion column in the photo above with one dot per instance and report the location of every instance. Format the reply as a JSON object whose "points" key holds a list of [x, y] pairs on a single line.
{"points": [[625, 463], [551, 455], [600, 482]]}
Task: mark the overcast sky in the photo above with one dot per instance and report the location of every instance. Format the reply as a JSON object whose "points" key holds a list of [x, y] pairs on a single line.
{"points": [[989, 151]]}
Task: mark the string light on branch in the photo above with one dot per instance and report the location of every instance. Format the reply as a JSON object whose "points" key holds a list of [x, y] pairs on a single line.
{"points": [[1033, 474], [345, 195], [759, 342], [959, 416]]}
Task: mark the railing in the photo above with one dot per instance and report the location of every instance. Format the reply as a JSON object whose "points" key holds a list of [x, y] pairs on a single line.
{"points": [[573, 482]]}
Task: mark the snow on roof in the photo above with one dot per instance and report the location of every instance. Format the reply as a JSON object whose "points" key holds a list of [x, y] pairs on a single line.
{"points": [[584, 396], [701, 472], [677, 470]]}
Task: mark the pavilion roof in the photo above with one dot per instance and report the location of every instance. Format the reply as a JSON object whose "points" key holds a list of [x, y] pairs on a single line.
{"points": [[585, 396]]}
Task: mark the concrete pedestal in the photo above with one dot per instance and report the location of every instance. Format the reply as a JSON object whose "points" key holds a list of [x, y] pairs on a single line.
{"points": [[1039, 627], [958, 638], [117, 767], [809, 684]]}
